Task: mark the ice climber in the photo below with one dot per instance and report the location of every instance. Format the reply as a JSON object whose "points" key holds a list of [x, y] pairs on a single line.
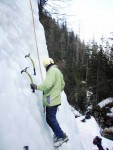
{"points": [[52, 87]]}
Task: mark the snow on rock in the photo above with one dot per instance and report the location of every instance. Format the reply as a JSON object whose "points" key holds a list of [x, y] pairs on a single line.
{"points": [[109, 130], [88, 131], [111, 113], [105, 102]]}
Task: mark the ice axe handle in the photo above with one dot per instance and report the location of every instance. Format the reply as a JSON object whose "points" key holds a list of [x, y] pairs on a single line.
{"points": [[34, 72], [25, 70]]}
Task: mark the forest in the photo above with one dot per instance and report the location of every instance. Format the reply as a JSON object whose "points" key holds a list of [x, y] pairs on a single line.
{"points": [[87, 68]]}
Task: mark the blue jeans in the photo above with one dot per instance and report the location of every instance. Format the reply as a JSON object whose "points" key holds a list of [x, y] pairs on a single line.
{"points": [[52, 121]]}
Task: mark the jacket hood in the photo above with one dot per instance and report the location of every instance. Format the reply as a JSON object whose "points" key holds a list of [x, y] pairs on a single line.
{"points": [[51, 66]]}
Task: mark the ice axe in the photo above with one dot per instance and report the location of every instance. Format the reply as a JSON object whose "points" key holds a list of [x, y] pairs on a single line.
{"points": [[32, 62], [25, 70]]}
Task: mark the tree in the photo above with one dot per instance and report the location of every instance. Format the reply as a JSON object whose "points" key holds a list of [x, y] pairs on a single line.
{"points": [[41, 4]]}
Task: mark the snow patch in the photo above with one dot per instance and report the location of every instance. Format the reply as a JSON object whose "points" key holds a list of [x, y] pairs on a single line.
{"points": [[105, 102]]}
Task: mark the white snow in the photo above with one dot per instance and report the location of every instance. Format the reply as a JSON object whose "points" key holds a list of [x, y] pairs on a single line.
{"points": [[105, 102], [88, 131], [111, 113], [75, 112], [22, 119]]}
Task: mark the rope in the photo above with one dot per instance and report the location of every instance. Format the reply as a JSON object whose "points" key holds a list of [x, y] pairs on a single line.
{"points": [[36, 38]]}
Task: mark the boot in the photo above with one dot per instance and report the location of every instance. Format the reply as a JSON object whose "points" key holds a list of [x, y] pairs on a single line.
{"points": [[59, 141]]}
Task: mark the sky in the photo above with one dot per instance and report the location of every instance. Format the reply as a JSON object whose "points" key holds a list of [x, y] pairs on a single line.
{"points": [[88, 18], [22, 119]]}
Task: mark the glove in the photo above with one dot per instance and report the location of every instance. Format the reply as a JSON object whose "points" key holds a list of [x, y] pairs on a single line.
{"points": [[33, 86]]}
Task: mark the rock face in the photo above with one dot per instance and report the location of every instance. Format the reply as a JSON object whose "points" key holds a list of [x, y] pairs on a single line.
{"points": [[103, 113]]}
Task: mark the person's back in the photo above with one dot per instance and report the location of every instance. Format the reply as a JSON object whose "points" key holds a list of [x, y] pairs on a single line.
{"points": [[52, 86], [58, 83]]}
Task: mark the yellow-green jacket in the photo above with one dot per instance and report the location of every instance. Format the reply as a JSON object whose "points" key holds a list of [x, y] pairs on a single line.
{"points": [[52, 87]]}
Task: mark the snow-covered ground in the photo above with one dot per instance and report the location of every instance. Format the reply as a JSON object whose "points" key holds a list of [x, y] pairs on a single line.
{"points": [[88, 131], [22, 119]]}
